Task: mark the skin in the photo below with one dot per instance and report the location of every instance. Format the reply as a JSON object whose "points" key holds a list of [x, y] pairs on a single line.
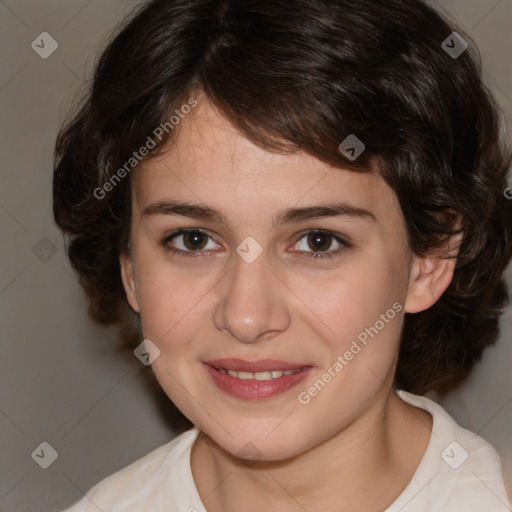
{"points": [[356, 445]]}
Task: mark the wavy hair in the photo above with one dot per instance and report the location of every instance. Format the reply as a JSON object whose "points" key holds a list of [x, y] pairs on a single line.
{"points": [[296, 75]]}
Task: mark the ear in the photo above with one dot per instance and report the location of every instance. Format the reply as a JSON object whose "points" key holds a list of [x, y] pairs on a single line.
{"points": [[126, 264], [432, 274]]}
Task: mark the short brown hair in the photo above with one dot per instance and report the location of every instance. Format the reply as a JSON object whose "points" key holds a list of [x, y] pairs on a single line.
{"points": [[303, 75]]}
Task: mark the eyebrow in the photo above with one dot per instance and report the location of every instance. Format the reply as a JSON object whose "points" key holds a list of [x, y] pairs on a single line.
{"points": [[291, 215]]}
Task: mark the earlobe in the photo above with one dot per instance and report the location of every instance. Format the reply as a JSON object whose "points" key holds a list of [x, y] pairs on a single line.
{"points": [[127, 276]]}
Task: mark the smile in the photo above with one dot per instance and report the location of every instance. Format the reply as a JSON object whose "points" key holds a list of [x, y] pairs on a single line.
{"points": [[255, 380], [267, 375]]}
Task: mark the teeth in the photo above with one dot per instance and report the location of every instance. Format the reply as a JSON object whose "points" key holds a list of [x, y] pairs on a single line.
{"points": [[268, 375]]}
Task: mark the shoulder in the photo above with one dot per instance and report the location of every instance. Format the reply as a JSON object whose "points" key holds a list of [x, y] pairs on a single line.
{"points": [[134, 483], [458, 444], [459, 467]]}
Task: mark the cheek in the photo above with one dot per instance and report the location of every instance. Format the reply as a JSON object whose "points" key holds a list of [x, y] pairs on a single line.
{"points": [[342, 303], [170, 302], [377, 314], [363, 314]]}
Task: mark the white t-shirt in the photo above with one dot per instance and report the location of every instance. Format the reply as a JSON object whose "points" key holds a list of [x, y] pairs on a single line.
{"points": [[459, 472]]}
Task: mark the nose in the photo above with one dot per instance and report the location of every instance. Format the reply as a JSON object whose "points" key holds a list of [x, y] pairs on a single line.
{"points": [[252, 305]]}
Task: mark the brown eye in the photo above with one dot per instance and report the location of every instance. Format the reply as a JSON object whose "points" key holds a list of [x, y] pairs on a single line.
{"points": [[195, 240], [319, 241], [188, 241], [319, 244]]}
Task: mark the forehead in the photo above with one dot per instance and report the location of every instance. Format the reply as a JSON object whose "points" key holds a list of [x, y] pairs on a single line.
{"points": [[212, 163]]}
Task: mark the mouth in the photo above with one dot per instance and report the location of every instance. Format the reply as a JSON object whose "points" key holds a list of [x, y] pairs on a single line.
{"points": [[266, 375], [255, 380]]}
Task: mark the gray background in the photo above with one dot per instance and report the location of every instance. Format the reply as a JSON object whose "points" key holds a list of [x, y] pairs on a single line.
{"points": [[61, 379]]}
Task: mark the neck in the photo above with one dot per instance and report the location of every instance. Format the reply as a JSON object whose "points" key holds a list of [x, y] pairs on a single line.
{"points": [[365, 466]]}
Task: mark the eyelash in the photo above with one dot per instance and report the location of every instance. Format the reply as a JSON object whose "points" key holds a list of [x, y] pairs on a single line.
{"points": [[195, 254]]}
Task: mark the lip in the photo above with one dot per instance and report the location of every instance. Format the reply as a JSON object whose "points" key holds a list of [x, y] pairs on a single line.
{"points": [[240, 365], [253, 389]]}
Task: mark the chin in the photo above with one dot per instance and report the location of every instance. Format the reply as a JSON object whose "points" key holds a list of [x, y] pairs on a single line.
{"points": [[251, 449]]}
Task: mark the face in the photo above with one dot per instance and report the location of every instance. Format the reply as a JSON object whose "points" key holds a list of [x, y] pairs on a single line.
{"points": [[274, 281]]}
